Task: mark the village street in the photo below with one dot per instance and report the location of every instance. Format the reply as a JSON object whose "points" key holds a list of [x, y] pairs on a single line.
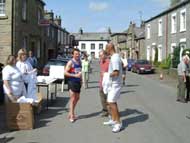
{"points": [[148, 108]]}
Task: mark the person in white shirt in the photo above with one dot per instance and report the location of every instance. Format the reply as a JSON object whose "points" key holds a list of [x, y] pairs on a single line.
{"points": [[28, 73], [115, 72], [13, 83]]}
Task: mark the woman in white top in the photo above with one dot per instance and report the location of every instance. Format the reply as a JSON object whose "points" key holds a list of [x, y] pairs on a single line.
{"points": [[13, 83], [23, 65], [28, 73]]}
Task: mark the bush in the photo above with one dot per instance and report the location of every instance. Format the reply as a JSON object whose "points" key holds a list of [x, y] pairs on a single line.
{"points": [[165, 64], [176, 57], [156, 56]]}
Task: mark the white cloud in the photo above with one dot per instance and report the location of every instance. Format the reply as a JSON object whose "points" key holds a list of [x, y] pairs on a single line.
{"points": [[98, 6]]}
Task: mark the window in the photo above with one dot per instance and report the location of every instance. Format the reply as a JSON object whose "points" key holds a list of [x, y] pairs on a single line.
{"points": [[2, 7], [183, 20], [92, 46], [38, 48], [173, 23], [160, 53], [24, 9], [182, 46], [148, 53], [160, 27], [148, 31], [24, 44], [83, 46], [100, 46], [48, 31], [52, 33], [39, 15]]}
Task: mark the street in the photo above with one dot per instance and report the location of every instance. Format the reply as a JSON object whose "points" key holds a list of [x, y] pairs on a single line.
{"points": [[148, 108]]}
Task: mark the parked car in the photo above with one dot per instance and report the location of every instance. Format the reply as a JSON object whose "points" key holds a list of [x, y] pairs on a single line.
{"points": [[142, 66], [130, 62], [58, 62]]}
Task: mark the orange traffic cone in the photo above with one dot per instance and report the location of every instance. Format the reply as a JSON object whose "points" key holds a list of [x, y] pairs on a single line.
{"points": [[161, 76]]}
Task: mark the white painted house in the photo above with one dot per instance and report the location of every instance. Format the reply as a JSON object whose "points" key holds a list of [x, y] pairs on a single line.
{"points": [[91, 43]]}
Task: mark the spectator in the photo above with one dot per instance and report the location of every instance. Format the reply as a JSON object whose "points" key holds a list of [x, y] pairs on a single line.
{"points": [[12, 79], [28, 73], [73, 72], [32, 59], [85, 71], [183, 79], [104, 64], [115, 73]]}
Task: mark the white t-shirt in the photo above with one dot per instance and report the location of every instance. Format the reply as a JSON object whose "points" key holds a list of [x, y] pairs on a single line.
{"points": [[25, 68], [14, 77], [124, 61], [115, 64]]}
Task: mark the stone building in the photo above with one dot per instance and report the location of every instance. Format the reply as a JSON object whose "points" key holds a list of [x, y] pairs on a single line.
{"points": [[135, 40], [19, 27], [168, 30], [91, 43]]}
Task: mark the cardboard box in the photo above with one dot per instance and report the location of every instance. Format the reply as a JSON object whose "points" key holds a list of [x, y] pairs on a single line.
{"points": [[19, 116]]}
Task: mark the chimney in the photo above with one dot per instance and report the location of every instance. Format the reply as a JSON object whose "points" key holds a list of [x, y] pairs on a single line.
{"points": [[49, 15], [142, 24], [81, 31], [57, 20], [109, 30]]}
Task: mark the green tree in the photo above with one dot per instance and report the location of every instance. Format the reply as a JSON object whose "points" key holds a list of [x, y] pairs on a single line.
{"points": [[176, 57], [174, 2], [156, 56]]}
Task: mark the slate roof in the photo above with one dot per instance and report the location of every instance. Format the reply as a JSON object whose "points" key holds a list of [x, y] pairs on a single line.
{"points": [[180, 4], [90, 36]]}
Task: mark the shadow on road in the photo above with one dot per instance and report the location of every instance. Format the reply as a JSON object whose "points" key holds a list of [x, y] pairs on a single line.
{"points": [[131, 85], [57, 108], [93, 82], [6, 139], [138, 116], [89, 115], [93, 87], [123, 92]]}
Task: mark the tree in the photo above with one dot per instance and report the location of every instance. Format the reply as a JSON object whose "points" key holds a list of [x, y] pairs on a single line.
{"points": [[176, 57], [174, 2]]}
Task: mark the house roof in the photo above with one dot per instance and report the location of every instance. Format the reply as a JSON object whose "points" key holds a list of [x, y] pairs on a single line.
{"points": [[87, 36], [180, 4]]}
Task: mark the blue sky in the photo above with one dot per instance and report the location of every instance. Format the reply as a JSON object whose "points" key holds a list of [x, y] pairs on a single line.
{"points": [[98, 15]]}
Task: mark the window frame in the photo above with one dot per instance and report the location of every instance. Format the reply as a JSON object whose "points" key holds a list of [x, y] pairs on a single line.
{"points": [[148, 31], [183, 20], [83, 46], [3, 6], [174, 23], [24, 10], [160, 27], [102, 45], [92, 45]]}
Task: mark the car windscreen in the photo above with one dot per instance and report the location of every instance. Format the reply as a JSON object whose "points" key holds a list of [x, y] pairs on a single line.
{"points": [[142, 62]]}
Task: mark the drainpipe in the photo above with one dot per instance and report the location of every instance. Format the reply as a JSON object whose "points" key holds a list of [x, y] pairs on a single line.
{"points": [[12, 29], [166, 36]]}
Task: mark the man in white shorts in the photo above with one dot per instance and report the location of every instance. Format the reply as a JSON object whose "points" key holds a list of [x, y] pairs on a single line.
{"points": [[115, 71]]}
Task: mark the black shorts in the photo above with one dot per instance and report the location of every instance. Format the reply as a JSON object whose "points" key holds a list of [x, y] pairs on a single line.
{"points": [[74, 86]]}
